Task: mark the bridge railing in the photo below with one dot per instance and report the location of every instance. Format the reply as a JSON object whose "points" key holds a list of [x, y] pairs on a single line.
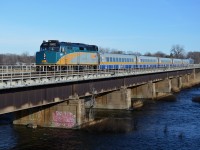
{"points": [[28, 75]]}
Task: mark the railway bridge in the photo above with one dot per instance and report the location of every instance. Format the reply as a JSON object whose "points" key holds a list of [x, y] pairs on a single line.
{"points": [[66, 98]]}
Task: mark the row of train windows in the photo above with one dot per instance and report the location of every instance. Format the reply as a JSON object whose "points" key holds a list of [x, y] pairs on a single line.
{"points": [[70, 48], [113, 59], [76, 48], [177, 61], [166, 61], [148, 60], [83, 48]]}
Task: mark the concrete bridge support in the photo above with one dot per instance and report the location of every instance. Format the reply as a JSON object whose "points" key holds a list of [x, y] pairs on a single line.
{"points": [[163, 88], [176, 84], [152, 90], [186, 81], [192, 78], [197, 76], [193, 75], [145, 91], [68, 114], [120, 99]]}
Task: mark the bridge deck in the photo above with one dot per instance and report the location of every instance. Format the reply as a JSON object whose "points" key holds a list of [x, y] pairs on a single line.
{"points": [[22, 76]]}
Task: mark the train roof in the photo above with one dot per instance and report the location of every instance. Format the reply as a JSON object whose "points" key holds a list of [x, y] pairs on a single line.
{"points": [[164, 58], [148, 57], [116, 55], [77, 44], [68, 43]]}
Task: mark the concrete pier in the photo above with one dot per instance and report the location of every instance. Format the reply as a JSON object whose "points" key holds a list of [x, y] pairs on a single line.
{"points": [[68, 114], [145, 91], [163, 88], [120, 99], [175, 83]]}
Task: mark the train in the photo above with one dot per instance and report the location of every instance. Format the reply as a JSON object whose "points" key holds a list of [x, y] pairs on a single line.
{"points": [[54, 53]]}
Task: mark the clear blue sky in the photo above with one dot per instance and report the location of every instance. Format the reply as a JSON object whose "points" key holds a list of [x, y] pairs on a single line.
{"points": [[128, 25]]}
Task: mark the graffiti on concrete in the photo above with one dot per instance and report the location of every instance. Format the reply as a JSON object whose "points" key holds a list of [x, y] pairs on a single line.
{"points": [[64, 119]]}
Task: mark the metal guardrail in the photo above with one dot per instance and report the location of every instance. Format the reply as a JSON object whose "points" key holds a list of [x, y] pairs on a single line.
{"points": [[26, 75]]}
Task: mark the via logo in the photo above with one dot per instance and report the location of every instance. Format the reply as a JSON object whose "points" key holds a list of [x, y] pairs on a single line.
{"points": [[93, 56]]}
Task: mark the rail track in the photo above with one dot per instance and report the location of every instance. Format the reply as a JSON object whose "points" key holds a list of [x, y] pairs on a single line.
{"points": [[20, 76]]}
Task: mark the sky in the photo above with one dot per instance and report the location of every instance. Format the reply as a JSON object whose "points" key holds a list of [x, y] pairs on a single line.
{"points": [[127, 25]]}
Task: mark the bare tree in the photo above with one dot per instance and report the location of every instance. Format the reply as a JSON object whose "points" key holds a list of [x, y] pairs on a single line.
{"points": [[111, 51], [25, 57], [148, 54], [159, 54], [177, 51], [104, 50], [195, 56], [116, 51], [137, 53], [12, 59], [133, 53]]}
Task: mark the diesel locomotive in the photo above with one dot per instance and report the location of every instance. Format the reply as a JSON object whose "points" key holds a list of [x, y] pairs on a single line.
{"points": [[54, 53]]}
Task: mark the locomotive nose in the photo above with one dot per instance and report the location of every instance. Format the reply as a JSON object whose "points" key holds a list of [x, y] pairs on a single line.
{"points": [[46, 57], [40, 58]]}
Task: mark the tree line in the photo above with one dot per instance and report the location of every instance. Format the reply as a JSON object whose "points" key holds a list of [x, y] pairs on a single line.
{"points": [[14, 59]]}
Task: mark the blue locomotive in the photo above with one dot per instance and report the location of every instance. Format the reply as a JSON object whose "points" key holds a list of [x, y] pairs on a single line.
{"points": [[55, 53]]}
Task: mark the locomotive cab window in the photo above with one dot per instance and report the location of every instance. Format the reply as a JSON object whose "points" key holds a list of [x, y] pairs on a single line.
{"points": [[43, 48], [62, 49], [81, 48]]}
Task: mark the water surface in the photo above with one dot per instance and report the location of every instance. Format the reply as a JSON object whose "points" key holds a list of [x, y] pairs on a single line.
{"points": [[158, 125]]}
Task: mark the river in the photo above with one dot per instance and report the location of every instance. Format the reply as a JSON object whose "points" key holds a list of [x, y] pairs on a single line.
{"points": [[158, 125]]}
